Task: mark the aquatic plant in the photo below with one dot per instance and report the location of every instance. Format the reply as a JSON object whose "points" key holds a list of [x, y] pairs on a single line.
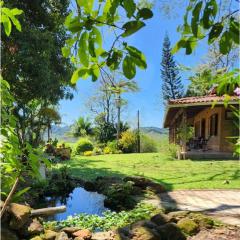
{"points": [[109, 220]]}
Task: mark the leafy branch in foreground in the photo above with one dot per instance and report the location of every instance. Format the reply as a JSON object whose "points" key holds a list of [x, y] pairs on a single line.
{"points": [[87, 30], [18, 158], [8, 17], [204, 19]]}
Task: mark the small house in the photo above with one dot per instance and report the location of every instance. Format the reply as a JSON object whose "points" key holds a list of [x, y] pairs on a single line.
{"points": [[211, 123]]}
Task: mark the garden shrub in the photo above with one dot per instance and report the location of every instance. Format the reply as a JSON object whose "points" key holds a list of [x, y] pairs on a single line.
{"points": [[83, 145], [113, 146], [128, 142], [88, 153], [147, 144], [173, 150], [97, 151], [106, 150]]}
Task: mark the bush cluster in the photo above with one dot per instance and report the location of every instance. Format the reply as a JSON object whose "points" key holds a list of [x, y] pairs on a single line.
{"points": [[128, 142], [83, 145]]}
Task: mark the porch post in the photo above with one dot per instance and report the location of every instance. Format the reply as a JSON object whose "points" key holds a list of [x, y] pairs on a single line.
{"points": [[184, 140]]}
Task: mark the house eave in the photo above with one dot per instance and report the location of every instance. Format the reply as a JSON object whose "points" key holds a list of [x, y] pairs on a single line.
{"points": [[185, 105]]}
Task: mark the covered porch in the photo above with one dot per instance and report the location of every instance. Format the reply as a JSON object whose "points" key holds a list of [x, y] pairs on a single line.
{"points": [[201, 131]]}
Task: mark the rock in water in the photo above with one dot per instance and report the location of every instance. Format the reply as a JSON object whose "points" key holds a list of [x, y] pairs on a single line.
{"points": [[21, 215], [50, 235], [35, 227], [61, 236], [103, 236], [70, 230], [84, 234]]}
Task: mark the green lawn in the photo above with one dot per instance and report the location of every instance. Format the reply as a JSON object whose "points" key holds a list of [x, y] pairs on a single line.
{"points": [[174, 174]]}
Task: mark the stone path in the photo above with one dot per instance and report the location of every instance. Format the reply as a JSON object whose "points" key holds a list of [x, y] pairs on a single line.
{"points": [[221, 204]]}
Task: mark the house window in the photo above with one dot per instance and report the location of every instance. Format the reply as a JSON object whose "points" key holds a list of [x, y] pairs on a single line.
{"points": [[214, 125]]}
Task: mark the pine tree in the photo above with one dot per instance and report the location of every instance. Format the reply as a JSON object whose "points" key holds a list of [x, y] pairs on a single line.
{"points": [[172, 87]]}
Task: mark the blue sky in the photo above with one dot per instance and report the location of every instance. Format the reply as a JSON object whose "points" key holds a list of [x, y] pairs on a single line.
{"points": [[148, 100]]}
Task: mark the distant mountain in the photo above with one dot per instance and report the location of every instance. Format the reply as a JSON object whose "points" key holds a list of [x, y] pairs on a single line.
{"points": [[62, 133], [154, 130]]}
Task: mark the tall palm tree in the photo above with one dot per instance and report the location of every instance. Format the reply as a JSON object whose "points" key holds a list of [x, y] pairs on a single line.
{"points": [[118, 89]]}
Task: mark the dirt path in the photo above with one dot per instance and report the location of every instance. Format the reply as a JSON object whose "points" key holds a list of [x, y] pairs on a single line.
{"points": [[221, 204]]}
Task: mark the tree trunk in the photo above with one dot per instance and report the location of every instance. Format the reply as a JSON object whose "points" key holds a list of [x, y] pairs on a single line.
{"points": [[9, 197], [118, 116], [49, 129], [48, 211]]}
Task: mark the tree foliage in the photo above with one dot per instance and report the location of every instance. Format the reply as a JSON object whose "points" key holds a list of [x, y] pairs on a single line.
{"points": [[33, 64], [204, 19], [87, 26], [200, 83], [172, 87], [82, 127]]}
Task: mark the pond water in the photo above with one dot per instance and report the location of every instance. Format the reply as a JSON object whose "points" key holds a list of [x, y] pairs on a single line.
{"points": [[79, 201]]}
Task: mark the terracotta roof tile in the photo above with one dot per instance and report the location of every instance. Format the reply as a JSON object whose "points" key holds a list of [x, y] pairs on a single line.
{"points": [[201, 99]]}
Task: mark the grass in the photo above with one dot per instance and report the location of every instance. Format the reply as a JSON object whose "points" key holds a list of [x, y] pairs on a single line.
{"points": [[174, 174]]}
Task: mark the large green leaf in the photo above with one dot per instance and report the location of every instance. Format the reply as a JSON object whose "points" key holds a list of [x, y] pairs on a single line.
{"points": [[106, 7], [73, 24], [195, 18], [130, 7], [209, 13], [97, 36], [190, 45], [113, 8], [234, 30], [86, 4], [132, 27], [215, 32], [83, 49], [16, 11], [66, 51], [95, 72], [137, 56], [16, 23], [225, 43], [79, 73], [114, 59], [145, 13], [7, 26], [180, 44], [129, 67]]}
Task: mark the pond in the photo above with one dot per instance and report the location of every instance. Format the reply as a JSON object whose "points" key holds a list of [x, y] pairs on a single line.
{"points": [[78, 201]]}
